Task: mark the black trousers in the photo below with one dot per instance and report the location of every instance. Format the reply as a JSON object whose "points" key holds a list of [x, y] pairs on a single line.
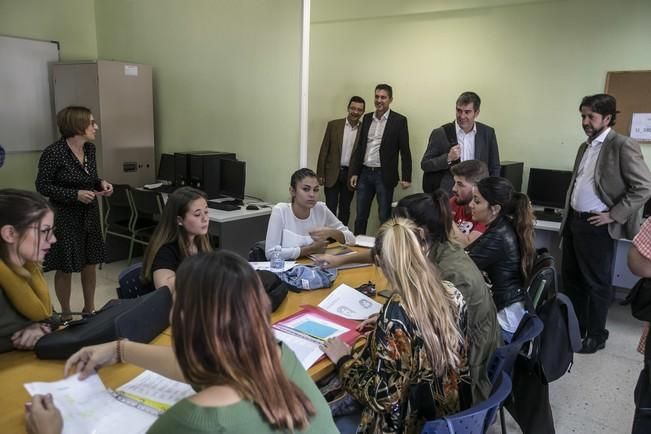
{"points": [[338, 197], [586, 273]]}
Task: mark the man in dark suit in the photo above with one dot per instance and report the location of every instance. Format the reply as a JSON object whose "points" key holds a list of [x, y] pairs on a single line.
{"points": [[458, 141], [610, 185], [340, 138], [374, 165]]}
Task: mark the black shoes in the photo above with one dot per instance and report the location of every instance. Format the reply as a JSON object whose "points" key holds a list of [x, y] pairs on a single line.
{"points": [[592, 345]]}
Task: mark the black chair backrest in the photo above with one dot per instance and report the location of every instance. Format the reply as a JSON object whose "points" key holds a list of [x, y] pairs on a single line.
{"points": [[543, 283], [146, 202], [257, 252], [118, 205]]}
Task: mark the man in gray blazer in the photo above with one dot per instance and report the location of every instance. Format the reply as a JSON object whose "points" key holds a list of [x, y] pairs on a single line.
{"points": [[610, 185], [339, 141], [458, 141]]}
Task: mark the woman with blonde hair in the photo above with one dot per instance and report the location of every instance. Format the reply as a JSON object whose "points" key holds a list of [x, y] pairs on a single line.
{"points": [[223, 345], [413, 366]]}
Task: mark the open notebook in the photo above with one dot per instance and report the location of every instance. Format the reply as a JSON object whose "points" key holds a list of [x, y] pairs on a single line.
{"points": [[89, 407]]}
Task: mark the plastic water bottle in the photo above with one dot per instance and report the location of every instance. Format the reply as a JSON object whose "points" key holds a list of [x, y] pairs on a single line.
{"points": [[276, 260]]}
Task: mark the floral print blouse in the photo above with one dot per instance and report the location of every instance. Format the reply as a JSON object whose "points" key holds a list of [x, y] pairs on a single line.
{"points": [[394, 365]]}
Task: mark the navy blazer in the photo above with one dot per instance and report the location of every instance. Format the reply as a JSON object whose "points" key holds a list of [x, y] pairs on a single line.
{"points": [[435, 158], [395, 140]]}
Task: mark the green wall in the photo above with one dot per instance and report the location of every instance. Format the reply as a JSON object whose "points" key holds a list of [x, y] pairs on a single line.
{"points": [[72, 23], [530, 63], [226, 77]]}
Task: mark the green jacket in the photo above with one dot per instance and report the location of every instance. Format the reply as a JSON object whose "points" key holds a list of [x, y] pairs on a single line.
{"points": [[483, 330]]}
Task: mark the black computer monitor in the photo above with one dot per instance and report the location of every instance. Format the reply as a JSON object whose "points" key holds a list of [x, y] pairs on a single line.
{"points": [[548, 188], [233, 178], [166, 168]]}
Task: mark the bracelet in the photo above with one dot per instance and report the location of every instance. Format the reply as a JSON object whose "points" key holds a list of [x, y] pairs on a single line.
{"points": [[119, 351]]}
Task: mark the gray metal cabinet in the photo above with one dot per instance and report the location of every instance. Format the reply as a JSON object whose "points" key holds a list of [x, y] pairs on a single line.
{"points": [[120, 95]]}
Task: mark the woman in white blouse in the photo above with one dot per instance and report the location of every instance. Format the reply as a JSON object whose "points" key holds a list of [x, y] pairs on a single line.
{"points": [[304, 226]]}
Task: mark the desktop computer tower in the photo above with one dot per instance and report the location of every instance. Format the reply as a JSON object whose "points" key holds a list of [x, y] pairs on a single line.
{"points": [[512, 170], [204, 170], [192, 168]]}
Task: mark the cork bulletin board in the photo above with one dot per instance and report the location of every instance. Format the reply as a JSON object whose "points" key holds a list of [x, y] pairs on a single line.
{"points": [[632, 89]]}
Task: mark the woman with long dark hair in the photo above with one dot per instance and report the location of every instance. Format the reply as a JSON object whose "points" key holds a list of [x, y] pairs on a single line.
{"points": [[181, 232], [506, 251], [304, 226], [223, 345], [26, 235]]}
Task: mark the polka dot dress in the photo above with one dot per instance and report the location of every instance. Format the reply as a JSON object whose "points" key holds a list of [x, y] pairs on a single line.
{"points": [[76, 225]]}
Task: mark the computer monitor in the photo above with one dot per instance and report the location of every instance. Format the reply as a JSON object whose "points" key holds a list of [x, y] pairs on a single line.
{"points": [[233, 178], [548, 188], [166, 168]]}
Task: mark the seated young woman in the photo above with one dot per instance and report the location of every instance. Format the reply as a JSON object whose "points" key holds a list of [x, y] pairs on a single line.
{"points": [[433, 215], [416, 345], [304, 226], [505, 252], [181, 232], [220, 307], [26, 234]]}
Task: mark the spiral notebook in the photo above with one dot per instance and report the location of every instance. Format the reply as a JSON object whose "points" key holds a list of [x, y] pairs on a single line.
{"points": [[89, 407]]}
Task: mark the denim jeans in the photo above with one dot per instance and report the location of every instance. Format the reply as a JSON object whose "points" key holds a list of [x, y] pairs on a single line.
{"points": [[369, 184]]}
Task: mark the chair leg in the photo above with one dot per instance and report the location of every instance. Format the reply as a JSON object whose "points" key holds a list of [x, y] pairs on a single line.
{"points": [[131, 243], [502, 420]]}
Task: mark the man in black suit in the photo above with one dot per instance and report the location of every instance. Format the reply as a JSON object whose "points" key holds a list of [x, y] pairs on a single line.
{"points": [[458, 141], [374, 164]]}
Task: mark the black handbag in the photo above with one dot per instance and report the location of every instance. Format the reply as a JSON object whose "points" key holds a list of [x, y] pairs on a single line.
{"points": [[640, 299], [138, 319]]}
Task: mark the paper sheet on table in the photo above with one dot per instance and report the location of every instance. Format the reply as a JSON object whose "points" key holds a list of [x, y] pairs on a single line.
{"points": [[88, 407], [349, 303], [155, 390], [364, 241], [306, 352], [266, 265]]}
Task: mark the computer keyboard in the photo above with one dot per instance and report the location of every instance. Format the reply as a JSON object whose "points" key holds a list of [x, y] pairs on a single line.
{"points": [[222, 206], [548, 216]]}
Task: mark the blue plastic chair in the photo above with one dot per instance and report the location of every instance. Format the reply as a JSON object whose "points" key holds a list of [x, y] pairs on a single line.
{"points": [[504, 357], [130, 284], [475, 420]]}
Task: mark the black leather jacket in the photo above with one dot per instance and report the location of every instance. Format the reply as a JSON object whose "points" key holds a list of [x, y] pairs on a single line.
{"points": [[497, 253]]}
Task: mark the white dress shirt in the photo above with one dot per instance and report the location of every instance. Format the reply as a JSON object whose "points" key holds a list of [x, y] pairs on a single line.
{"points": [[350, 132], [584, 196], [466, 141], [374, 139], [291, 233]]}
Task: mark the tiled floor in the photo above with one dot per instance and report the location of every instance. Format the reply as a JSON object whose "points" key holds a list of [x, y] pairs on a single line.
{"points": [[595, 397]]}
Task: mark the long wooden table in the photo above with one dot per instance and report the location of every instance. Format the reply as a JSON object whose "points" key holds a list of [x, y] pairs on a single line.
{"points": [[20, 367]]}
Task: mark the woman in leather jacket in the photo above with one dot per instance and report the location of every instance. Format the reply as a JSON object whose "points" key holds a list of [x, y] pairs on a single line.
{"points": [[505, 252]]}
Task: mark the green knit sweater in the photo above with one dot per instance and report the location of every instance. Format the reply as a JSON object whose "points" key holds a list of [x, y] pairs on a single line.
{"points": [[244, 417]]}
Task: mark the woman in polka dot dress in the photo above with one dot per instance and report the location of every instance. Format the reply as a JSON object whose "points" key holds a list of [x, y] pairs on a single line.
{"points": [[67, 174]]}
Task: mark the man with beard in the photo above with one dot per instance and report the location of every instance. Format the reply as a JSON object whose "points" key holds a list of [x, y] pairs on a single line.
{"points": [[610, 184], [466, 176]]}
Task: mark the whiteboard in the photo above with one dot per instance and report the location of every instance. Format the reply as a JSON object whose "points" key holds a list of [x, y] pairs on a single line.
{"points": [[26, 103]]}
